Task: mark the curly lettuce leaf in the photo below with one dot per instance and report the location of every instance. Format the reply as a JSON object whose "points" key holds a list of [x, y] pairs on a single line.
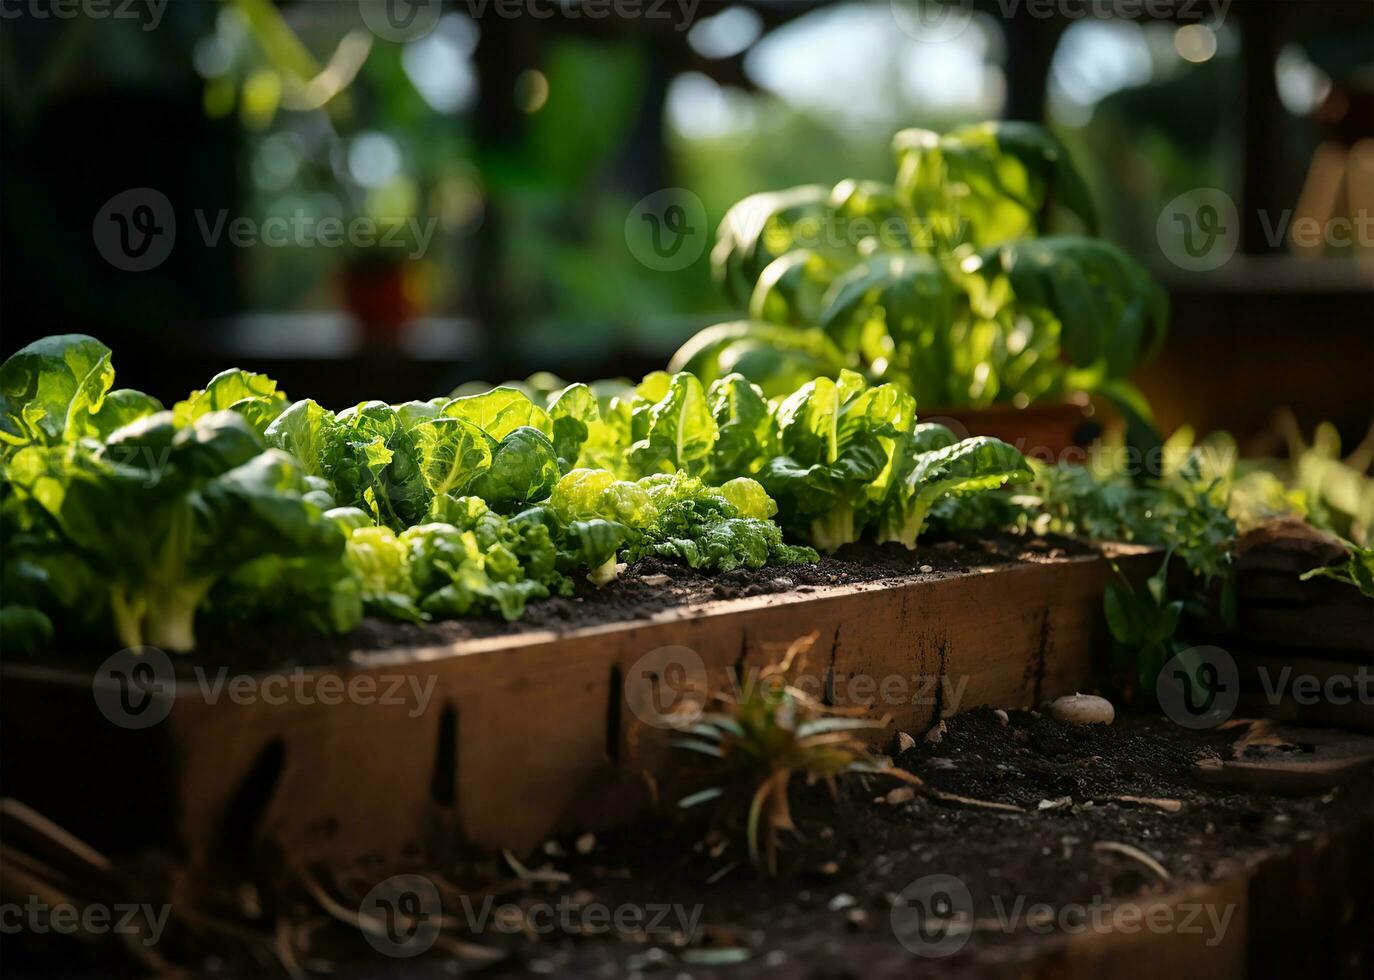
{"points": [[969, 466], [254, 396]]}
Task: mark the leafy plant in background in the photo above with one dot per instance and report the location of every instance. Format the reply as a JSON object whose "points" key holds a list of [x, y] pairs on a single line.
{"points": [[940, 283]]}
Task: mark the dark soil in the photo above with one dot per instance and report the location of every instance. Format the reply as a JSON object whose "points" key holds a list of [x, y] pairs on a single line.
{"points": [[829, 912], [647, 587]]}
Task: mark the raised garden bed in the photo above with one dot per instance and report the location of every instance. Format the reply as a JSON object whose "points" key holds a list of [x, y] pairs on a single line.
{"points": [[526, 730], [1104, 856]]}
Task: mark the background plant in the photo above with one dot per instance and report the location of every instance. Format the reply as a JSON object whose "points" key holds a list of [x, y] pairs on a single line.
{"points": [[941, 283]]}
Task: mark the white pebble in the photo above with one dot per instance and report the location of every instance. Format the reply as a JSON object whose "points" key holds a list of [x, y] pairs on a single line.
{"points": [[1083, 709]]}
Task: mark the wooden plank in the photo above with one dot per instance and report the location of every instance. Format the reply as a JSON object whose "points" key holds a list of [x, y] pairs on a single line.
{"points": [[498, 742], [1183, 942], [1303, 910]]}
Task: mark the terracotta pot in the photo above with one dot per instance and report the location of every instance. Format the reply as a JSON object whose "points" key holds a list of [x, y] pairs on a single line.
{"points": [[1045, 431], [376, 294]]}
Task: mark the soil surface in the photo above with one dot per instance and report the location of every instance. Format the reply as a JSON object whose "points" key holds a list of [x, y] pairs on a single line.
{"points": [[1028, 877], [1020, 881], [647, 587]]}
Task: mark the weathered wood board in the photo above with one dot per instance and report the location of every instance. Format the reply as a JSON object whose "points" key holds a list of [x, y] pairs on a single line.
{"points": [[500, 742]]}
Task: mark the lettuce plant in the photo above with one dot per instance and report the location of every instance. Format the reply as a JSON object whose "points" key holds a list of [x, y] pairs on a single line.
{"points": [[679, 516], [941, 283], [238, 504], [162, 512]]}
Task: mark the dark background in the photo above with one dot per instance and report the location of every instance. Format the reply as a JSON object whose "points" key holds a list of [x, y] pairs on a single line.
{"points": [[529, 140]]}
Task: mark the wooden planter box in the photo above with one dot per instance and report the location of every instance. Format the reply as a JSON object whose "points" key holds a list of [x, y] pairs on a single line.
{"points": [[522, 736]]}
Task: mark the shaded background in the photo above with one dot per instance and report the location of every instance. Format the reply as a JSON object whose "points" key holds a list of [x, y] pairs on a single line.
{"points": [[528, 140]]}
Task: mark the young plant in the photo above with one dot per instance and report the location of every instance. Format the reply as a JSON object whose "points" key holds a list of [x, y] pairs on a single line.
{"points": [[1143, 625], [1357, 570], [767, 735]]}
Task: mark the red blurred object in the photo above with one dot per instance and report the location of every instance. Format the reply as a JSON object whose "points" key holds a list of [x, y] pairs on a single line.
{"points": [[1045, 430], [376, 294]]}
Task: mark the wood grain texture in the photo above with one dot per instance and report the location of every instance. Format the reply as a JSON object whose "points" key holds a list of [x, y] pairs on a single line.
{"points": [[517, 737]]}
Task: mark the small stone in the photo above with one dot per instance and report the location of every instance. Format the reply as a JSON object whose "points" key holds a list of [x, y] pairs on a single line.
{"points": [[655, 580], [830, 868], [1054, 804], [1083, 709], [1002, 716], [902, 794], [554, 849], [856, 918], [927, 569], [842, 901], [586, 843], [935, 734], [904, 742]]}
